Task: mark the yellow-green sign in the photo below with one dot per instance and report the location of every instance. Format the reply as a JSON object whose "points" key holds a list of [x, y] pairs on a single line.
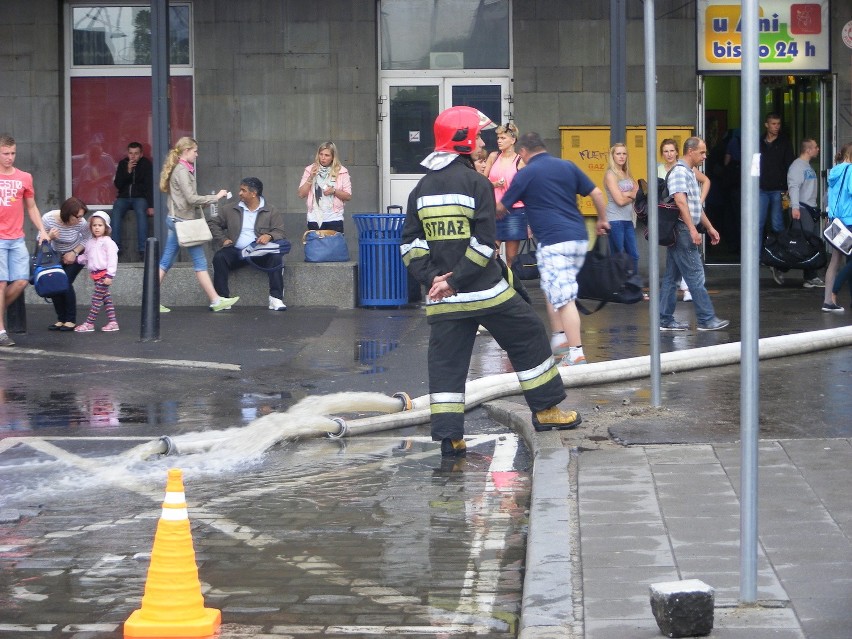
{"points": [[794, 36]]}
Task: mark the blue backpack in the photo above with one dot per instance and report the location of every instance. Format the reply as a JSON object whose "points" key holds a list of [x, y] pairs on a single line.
{"points": [[48, 276]]}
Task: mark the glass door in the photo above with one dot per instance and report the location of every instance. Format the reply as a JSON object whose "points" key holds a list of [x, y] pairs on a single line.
{"points": [[805, 104], [408, 108]]}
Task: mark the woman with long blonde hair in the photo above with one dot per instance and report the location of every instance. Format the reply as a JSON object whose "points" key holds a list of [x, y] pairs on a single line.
{"points": [[177, 178], [621, 191], [326, 186]]}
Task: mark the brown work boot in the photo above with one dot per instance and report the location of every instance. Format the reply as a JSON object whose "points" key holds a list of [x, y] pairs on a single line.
{"points": [[555, 417], [453, 448]]}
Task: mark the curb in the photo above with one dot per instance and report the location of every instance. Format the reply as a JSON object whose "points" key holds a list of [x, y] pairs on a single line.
{"points": [[551, 578]]}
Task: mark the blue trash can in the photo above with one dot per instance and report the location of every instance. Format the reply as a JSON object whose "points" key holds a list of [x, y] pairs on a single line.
{"points": [[382, 277]]}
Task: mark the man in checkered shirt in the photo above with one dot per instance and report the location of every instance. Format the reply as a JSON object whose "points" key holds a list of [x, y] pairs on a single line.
{"points": [[683, 258]]}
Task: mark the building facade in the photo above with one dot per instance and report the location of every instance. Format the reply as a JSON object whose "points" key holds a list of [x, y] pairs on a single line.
{"points": [[260, 83]]}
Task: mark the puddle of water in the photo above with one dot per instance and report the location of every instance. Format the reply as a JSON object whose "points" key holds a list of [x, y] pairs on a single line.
{"points": [[370, 351], [33, 411]]}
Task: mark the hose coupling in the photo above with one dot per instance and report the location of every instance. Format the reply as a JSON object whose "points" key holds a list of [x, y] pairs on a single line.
{"points": [[405, 399], [344, 428]]}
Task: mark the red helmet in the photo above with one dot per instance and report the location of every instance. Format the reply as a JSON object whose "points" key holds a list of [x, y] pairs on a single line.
{"points": [[457, 128]]}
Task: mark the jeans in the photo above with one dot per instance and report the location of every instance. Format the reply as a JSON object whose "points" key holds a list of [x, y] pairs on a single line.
{"points": [[119, 208], [170, 250], [622, 239], [229, 258], [684, 260], [770, 205], [65, 304]]}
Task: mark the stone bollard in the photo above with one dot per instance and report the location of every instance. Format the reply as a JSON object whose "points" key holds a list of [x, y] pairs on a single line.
{"points": [[683, 608]]}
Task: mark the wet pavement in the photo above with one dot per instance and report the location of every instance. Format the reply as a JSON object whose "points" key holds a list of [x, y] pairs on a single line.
{"points": [[361, 537]]}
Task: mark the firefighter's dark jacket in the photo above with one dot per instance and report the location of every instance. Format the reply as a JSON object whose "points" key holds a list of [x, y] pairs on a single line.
{"points": [[450, 227]]}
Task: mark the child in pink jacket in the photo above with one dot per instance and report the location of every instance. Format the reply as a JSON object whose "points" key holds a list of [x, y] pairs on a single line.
{"points": [[101, 258]]}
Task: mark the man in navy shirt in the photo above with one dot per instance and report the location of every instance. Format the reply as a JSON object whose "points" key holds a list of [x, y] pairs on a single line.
{"points": [[549, 188]]}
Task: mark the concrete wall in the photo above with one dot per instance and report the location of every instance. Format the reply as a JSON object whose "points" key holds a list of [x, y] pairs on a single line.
{"points": [[562, 58], [841, 60], [31, 101], [276, 78]]}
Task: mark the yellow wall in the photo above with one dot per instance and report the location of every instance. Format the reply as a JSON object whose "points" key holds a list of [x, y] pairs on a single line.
{"points": [[588, 148]]}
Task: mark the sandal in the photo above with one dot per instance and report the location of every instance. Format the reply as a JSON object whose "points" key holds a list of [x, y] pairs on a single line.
{"points": [[55, 327], [67, 326]]}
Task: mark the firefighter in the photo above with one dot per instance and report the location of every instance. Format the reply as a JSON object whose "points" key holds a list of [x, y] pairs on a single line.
{"points": [[448, 245]]}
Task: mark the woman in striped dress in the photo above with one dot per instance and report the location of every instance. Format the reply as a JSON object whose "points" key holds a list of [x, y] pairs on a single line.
{"points": [[68, 232]]}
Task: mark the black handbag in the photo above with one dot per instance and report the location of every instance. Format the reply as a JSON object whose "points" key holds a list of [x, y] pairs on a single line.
{"points": [[793, 248], [667, 214], [608, 277], [525, 264]]}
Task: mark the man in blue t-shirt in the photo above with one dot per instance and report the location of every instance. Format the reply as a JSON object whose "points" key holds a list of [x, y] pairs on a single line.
{"points": [[549, 188]]}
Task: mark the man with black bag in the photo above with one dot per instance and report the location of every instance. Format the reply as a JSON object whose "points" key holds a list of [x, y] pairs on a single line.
{"points": [[549, 187], [802, 186], [683, 258]]}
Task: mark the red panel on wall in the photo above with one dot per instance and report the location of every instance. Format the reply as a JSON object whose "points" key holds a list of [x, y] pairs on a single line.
{"points": [[106, 115]]}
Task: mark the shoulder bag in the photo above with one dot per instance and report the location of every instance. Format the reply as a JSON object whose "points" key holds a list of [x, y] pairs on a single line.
{"points": [[608, 277], [192, 232], [667, 213], [525, 264], [325, 246], [48, 276], [255, 250]]}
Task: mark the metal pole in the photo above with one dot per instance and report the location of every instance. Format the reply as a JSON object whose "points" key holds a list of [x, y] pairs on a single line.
{"points": [[16, 316], [150, 322], [150, 329], [750, 301], [618, 71], [159, 105], [653, 235]]}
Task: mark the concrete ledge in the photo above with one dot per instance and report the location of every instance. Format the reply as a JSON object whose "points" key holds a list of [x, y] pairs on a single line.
{"points": [[327, 284], [547, 608]]}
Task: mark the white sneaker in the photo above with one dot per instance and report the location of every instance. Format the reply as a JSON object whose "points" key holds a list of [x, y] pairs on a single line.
{"points": [[687, 296], [276, 305]]}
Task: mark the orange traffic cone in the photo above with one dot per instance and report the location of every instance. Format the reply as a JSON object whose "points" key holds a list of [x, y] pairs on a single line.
{"points": [[172, 605]]}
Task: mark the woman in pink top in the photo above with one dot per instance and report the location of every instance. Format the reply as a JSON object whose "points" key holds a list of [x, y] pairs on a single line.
{"points": [[326, 186], [501, 168]]}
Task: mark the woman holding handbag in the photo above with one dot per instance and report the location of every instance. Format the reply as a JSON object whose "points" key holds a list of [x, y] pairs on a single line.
{"points": [[177, 178], [840, 207], [68, 232]]}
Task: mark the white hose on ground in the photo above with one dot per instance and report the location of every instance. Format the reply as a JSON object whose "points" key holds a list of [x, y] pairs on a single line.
{"points": [[485, 389]]}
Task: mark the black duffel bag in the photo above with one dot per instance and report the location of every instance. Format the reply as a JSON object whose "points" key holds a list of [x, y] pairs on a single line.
{"points": [[525, 263], [608, 277], [794, 248]]}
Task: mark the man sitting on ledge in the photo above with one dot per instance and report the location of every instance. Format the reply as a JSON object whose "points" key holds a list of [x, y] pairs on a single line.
{"points": [[237, 226]]}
